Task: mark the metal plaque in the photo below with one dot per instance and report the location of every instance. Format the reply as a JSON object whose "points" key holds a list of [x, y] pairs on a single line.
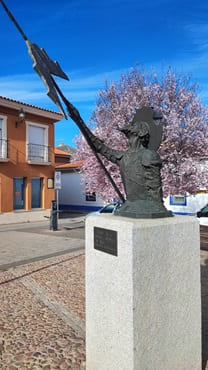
{"points": [[105, 240]]}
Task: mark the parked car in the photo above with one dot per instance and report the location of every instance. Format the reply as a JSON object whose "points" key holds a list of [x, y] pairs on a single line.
{"points": [[202, 216], [108, 209]]}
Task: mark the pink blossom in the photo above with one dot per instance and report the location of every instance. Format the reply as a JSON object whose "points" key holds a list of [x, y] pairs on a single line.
{"points": [[185, 134]]}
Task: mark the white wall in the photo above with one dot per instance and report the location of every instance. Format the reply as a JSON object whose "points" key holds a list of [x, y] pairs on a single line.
{"points": [[72, 194], [193, 204]]}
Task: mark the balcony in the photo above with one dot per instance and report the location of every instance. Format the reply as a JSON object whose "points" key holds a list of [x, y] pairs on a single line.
{"points": [[4, 150], [38, 154]]}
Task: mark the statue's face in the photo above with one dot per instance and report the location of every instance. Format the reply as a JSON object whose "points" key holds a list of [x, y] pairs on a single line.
{"points": [[145, 140], [135, 140]]}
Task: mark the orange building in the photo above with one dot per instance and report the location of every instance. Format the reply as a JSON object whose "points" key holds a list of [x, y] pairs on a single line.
{"points": [[61, 157], [26, 156]]}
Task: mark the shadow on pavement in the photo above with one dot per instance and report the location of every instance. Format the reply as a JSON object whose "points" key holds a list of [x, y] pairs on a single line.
{"points": [[68, 214], [40, 269]]}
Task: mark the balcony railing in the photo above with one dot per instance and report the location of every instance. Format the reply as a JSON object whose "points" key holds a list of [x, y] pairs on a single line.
{"points": [[39, 153], [3, 149]]}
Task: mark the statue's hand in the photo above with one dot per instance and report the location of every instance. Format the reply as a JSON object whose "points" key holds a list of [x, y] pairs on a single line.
{"points": [[98, 143]]}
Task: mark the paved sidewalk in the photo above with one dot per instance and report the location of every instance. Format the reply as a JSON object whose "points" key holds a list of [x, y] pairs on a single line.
{"points": [[28, 242], [43, 312], [23, 216], [42, 315], [42, 307]]}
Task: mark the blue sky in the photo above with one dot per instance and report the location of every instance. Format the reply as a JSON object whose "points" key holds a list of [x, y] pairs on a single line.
{"points": [[94, 40]]}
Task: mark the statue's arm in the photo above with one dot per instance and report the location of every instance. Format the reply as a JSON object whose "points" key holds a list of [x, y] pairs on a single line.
{"points": [[112, 155], [96, 144]]}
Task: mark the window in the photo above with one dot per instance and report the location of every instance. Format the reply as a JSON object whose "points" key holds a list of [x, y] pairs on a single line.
{"points": [[178, 200], [91, 197], [3, 138], [108, 209], [37, 143]]}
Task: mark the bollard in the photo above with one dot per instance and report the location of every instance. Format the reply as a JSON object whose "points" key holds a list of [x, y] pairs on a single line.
{"points": [[54, 216]]}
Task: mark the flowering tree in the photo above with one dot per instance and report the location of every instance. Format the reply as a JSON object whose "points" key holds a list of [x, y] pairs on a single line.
{"points": [[185, 130]]}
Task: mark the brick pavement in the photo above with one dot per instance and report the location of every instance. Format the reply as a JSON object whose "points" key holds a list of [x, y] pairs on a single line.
{"points": [[43, 314]]}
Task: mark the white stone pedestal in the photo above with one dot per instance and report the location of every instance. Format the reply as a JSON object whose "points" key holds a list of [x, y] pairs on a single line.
{"points": [[143, 306]]}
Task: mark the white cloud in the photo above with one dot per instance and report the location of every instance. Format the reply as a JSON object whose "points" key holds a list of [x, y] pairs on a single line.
{"points": [[82, 87]]}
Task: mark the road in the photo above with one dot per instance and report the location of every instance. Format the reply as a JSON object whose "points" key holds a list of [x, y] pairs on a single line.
{"points": [[30, 242]]}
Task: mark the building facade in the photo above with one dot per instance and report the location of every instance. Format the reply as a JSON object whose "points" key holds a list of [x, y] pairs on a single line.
{"points": [[61, 157], [26, 156], [73, 195]]}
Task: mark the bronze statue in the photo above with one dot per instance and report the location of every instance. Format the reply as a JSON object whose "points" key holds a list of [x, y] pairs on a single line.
{"points": [[139, 166]]}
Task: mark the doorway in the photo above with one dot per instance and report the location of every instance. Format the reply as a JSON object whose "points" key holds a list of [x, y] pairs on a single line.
{"points": [[36, 192], [19, 193]]}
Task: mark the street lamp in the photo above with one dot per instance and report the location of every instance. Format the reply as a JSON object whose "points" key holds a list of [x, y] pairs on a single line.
{"points": [[21, 116]]}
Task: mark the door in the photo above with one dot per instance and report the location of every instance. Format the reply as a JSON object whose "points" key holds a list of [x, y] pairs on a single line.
{"points": [[19, 193], [36, 192]]}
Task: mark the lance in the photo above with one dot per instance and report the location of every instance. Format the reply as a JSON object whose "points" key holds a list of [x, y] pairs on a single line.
{"points": [[45, 67]]}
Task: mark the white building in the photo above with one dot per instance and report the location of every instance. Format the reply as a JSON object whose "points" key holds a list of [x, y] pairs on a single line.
{"points": [[72, 195], [187, 204]]}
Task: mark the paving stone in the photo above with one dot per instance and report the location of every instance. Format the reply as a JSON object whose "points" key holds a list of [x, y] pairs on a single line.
{"points": [[32, 336], [35, 337]]}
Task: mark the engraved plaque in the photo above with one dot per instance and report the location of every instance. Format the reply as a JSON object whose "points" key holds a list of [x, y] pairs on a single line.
{"points": [[105, 240]]}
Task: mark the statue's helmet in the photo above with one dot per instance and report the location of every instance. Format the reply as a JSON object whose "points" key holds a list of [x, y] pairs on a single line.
{"points": [[146, 121], [139, 129]]}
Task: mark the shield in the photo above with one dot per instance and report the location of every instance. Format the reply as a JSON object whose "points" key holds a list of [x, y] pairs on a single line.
{"points": [[147, 114]]}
